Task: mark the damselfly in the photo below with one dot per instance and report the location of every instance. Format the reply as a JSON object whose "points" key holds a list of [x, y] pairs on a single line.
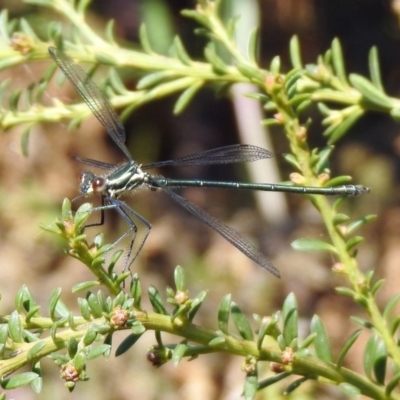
{"points": [[131, 175]]}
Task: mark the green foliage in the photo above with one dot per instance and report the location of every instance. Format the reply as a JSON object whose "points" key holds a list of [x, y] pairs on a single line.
{"points": [[28, 334]]}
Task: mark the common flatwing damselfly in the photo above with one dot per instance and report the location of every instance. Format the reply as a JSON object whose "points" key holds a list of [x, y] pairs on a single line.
{"points": [[119, 180]]}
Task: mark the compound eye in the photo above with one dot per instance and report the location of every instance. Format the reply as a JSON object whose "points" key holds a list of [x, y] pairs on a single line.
{"points": [[86, 179], [98, 184]]}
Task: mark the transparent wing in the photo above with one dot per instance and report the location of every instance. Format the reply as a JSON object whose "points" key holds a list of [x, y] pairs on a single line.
{"points": [[222, 155], [94, 163], [93, 97], [227, 232]]}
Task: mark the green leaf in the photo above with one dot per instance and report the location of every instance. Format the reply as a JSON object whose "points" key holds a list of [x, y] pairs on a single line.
{"points": [[377, 285], [118, 300], [295, 52], [79, 361], [3, 333], [104, 59], [14, 99], [109, 32], [252, 73], [361, 321], [290, 81], [294, 385], [27, 30], [196, 304], [290, 319], [292, 160], [186, 97], [270, 106], [305, 105], [375, 358], [347, 346], [231, 26], [72, 347], [71, 321], [374, 69], [306, 342], [353, 242], [275, 65], [394, 324], [25, 140], [261, 97], [262, 332], [84, 309], [66, 209], [391, 303], [392, 384], [299, 99], [224, 311], [29, 337], [144, 39], [61, 308], [313, 245], [270, 122], [217, 341], [180, 52], [102, 329], [338, 62], [116, 82], [75, 123], [59, 359], [35, 349], [82, 214], [337, 132], [15, 327], [253, 46], [349, 390], [359, 223], [105, 303], [270, 327], [321, 342], [98, 241], [197, 16], [37, 384], [121, 278], [24, 300], [273, 379], [136, 291], [178, 353], [281, 342], [374, 96], [90, 336], [138, 328], [79, 287], [151, 80], [338, 180], [340, 219], [94, 305], [18, 380], [156, 301], [250, 387], [218, 65], [241, 322], [96, 351], [337, 203], [323, 159]]}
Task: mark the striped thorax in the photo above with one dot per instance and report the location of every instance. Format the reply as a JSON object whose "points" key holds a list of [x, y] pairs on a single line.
{"points": [[123, 179]]}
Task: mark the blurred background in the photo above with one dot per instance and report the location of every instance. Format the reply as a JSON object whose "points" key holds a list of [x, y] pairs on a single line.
{"points": [[32, 189]]}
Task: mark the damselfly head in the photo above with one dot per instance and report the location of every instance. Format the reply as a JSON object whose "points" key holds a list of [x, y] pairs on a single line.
{"points": [[90, 183]]}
